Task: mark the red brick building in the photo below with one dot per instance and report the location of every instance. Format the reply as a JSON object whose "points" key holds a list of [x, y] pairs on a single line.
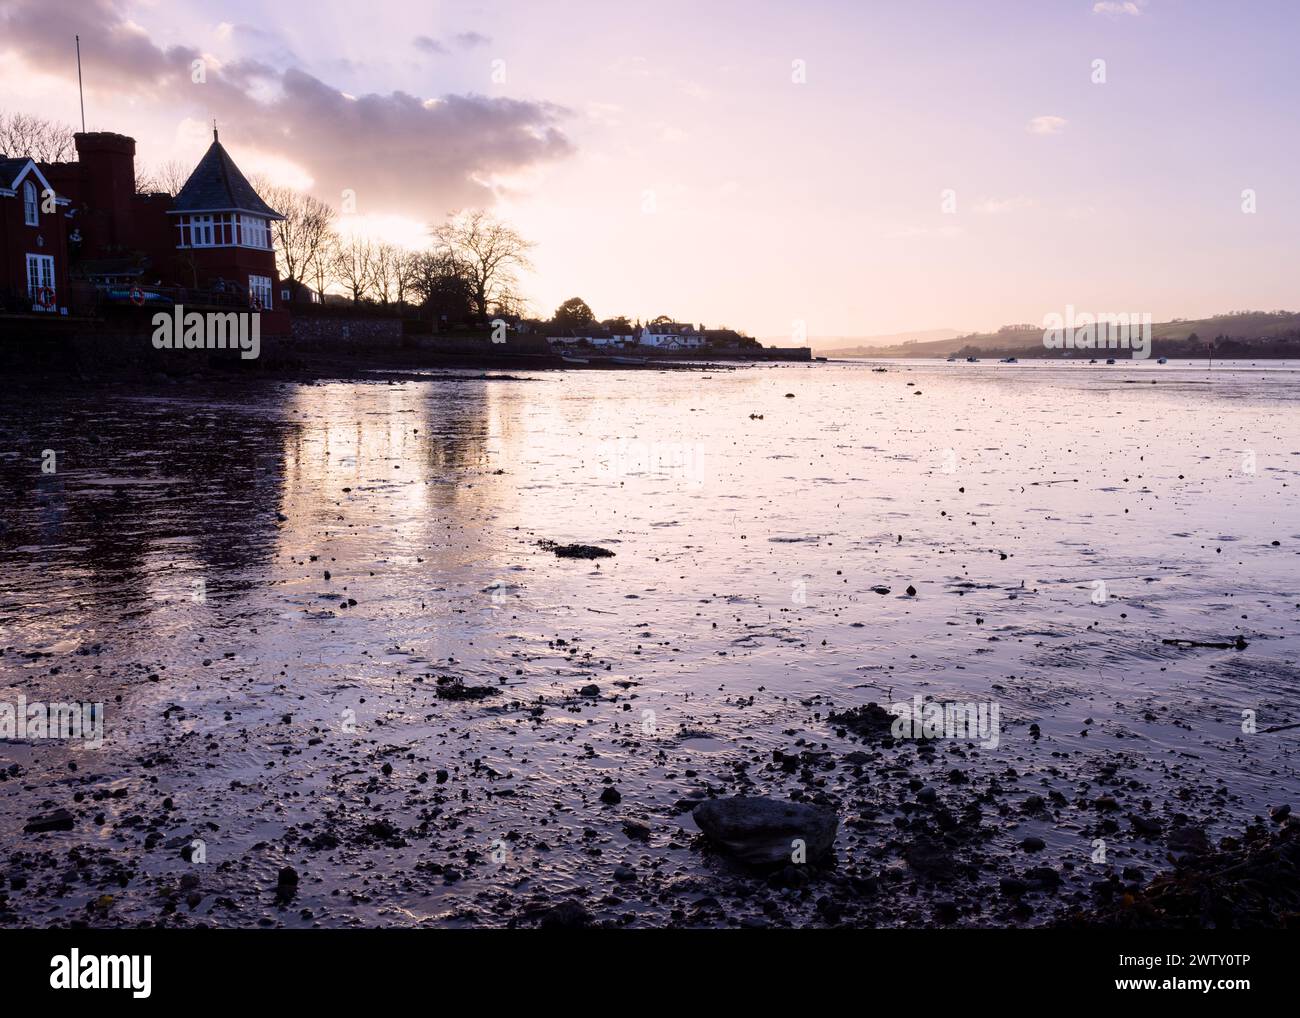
{"points": [[223, 229], [210, 244], [33, 240]]}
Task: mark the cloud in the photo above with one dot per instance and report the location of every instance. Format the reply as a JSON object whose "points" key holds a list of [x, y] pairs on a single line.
{"points": [[1111, 7], [428, 45], [400, 153], [464, 40], [1046, 125]]}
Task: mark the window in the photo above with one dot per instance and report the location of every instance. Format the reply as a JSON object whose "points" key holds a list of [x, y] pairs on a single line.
{"points": [[30, 206], [207, 230], [254, 233], [40, 279], [223, 229], [259, 291]]}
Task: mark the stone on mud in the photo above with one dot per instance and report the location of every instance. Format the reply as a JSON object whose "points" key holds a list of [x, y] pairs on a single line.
{"points": [[761, 831]]}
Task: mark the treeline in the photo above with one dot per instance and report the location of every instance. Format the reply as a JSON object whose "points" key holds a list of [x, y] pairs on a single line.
{"points": [[468, 273]]}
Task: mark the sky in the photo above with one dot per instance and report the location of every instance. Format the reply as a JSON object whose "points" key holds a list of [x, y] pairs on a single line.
{"points": [[790, 169]]}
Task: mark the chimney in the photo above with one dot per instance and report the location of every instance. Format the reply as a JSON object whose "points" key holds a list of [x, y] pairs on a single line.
{"points": [[108, 187]]}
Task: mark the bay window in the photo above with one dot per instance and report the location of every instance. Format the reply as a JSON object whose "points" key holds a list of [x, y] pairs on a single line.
{"points": [[223, 229]]}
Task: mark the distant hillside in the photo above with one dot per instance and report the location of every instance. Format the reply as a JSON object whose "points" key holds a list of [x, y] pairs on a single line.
{"points": [[850, 346], [1279, 330]]}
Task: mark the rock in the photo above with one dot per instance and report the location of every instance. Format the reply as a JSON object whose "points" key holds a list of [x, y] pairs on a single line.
{"points": [[1188, 839], [452, 687], [760, 831], [636, 831], [1280, 813], [590, 690], [869, 721], [1043, 878], [568, 915], [576, 550], [610, 796], [1033, 844], [1145, 825], [623, 874], [288, 878], [927, 794], [59, 820]]}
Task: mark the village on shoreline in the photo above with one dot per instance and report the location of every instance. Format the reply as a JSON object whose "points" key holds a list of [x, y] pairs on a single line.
{"points": [[96, 258]]}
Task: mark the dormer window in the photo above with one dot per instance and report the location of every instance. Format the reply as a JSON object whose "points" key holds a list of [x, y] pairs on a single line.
{"points": [[31, 209]]}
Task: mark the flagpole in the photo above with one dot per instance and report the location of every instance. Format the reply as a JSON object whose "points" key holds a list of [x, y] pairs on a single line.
{"points": [[80, 92]]}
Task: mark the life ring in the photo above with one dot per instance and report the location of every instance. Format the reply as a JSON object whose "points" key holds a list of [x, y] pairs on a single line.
{"points": [[45, 296], [137, 296]]}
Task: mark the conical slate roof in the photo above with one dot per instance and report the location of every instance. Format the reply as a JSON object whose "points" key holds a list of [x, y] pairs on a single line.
{"points": [[216, 185]]}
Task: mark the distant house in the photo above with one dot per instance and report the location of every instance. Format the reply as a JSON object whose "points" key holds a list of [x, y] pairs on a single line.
{"points": [[33, 240], [224, 228], [590, 337], [671, 336]]}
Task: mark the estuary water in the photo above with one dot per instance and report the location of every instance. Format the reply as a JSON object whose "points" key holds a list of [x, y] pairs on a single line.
{"points": [[264, 584]]}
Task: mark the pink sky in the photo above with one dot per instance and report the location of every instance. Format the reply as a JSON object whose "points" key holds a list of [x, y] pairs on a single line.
{"points": [[666, 160]]}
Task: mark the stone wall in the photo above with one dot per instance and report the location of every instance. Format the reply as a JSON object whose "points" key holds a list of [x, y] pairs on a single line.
{"points": [[354, 333]]}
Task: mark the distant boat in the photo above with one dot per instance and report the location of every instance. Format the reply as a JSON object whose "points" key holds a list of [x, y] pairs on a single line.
{"points": [[1110, 360], [972, 360], [1093, 360], [1163, 360], [879, 369], [636, 361], [574, 360], [1009, 360], [952, 360]]}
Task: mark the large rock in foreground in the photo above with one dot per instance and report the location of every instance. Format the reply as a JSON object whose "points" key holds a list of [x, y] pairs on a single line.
{"points": [[762, 831]]}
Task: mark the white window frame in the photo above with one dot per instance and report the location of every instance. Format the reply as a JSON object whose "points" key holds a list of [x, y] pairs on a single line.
{"points": [[255, 232], [260, 287], [224, 229], [31, 205], [40, 272]]}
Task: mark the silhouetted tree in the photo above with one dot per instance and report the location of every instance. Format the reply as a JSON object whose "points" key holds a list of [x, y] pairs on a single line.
{"points": [[488, 254], [573, 314]]}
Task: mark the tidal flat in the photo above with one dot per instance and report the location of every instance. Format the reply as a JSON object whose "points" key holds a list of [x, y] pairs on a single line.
{"points": [[350, 678]]}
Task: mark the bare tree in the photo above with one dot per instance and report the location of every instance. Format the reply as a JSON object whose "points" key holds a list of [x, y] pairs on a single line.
{"points": [[46, 141], [166, 178], [302, 236], [322, 272], [383, 267], [407, 275], [354, 267], [489, 253]]}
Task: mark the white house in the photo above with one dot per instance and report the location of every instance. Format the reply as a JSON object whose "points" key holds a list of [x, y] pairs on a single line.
{"points": [[592, 339], [672, 336]]}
